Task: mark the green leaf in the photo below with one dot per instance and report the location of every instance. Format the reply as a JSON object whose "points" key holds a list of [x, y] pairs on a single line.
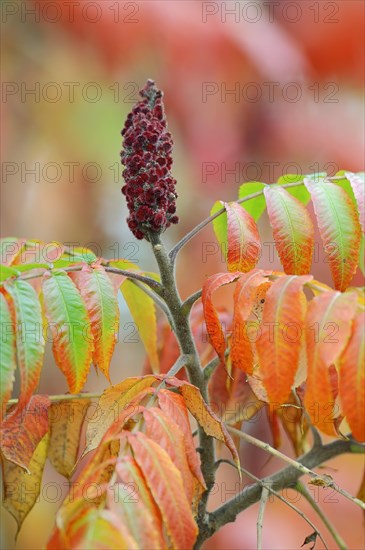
{"points": [[7, 353], [70, 328], [316, 176], [345, 184], [357, 182], [292, 229], [256, 206], [7, 272], [87, 258], [29, 335], [299, 191], [340, 230], [79, 255], [100, 298], [28, 267], [220, 226]]}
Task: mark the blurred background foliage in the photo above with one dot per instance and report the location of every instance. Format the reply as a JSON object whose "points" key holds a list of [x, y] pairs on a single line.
{"points": [[85, 62]]}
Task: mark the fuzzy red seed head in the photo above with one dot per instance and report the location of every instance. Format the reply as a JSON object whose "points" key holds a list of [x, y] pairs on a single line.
{"points": [[149, 187]]}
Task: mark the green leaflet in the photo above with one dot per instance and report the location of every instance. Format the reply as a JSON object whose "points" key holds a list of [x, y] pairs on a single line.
{"points": [[70, 327], [29, 334]]}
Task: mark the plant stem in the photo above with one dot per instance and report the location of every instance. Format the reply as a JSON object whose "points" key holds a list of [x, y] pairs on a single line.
{"points": [[176, 249], [178, 246], [155, 285], [286, 477], [279, 496], [63, 397], [296, 464], [156, 298], [263, 501], [187, 346], [302, 489], [189, 302]]}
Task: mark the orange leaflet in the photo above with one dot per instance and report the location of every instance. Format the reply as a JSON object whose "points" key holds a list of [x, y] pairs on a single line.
{"points": [[66, 420], [242, 354], [162, 429], [166, 485], [214, 327], [207, 419], [281, 337], [173, 405], [94, 476], [244, 245], [93, 529], [121, 399], [328, 328], [352, 379], [131, 500]]}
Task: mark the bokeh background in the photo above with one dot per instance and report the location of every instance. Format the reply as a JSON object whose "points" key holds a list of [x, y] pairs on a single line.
{"points": [[252, 90]]}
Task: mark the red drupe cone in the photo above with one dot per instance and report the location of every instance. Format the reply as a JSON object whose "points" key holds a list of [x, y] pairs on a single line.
{"points": [[149, 186]]}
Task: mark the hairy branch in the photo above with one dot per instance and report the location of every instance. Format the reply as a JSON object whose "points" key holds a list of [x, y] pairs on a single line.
{"points": [[63, 397], [187, 346], [302, 489], [286, 477], [155, 285], [302, 469], [189, 302], [279, 496], [156, 298]]}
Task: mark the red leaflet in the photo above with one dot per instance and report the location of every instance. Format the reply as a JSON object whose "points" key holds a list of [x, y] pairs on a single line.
{"points": [[163, 429], [214, 327], [132, 502], [244, 246], [242, 354], [328, 329], [23, 429], [166, 485], [173, 405]]}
